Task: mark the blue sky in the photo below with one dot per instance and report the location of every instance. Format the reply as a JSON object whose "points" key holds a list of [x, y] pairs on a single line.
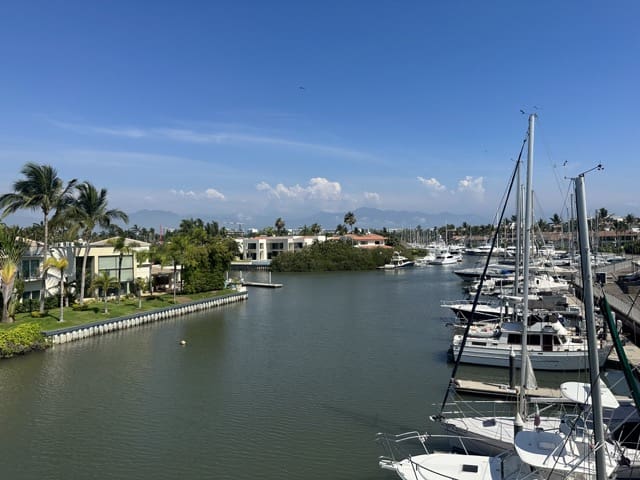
{"points": [[216, 108]]}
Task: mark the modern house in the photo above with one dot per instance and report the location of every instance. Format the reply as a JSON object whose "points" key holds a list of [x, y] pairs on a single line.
{"points": [[102, 258], [265, 248]]}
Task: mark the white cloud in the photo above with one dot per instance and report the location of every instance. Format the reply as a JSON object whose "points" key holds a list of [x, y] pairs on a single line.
{"points": [[432, 184], [470, 184], [214, 194], [210, 193], [319, 188], [372, 197], [324, 189]]}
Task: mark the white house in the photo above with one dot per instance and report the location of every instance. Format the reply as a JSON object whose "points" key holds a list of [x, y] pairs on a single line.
{"points": [[265, 248]]}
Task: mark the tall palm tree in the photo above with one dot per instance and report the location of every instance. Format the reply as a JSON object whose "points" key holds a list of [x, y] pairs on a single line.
{"points": [[40, 189], [279, 224], [12, 248], [350, 219], [90, 210], [61, 264]]}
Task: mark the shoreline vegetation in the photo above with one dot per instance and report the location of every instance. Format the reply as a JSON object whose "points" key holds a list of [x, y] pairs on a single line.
{"points": [[330, 257], [26, 333]]}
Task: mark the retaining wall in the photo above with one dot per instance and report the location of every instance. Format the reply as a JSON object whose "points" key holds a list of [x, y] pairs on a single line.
{"points": [[78, 332]]}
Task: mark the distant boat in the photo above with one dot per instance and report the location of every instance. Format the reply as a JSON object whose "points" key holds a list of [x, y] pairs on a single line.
{"points": [[446, 258], [397, 261]]}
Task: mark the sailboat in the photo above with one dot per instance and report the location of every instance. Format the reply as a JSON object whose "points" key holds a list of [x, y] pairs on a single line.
{"points": [[559, 442], [539, 454]]}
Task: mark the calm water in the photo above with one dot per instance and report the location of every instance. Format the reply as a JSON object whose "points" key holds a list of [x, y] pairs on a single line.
{"points": [[294, 383]]}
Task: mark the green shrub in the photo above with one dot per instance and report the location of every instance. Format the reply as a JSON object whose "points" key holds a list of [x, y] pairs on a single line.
{"points": [[21, 339]]}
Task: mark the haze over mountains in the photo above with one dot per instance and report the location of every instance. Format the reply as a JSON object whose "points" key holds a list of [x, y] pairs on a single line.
{"points": [[368, 218]]}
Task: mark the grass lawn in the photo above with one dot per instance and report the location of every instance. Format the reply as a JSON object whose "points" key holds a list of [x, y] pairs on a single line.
{"points": [[95, 312]]}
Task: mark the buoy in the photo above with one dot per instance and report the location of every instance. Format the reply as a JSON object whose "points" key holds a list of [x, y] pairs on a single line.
{"points": [[183, 342]]}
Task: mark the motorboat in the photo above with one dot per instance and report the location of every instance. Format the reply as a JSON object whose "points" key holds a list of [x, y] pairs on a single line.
{"points": [[397, 261], [550, 346], [446, 258]]}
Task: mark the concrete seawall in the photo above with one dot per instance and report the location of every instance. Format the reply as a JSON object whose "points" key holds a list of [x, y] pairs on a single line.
{"points": [[79, 332]]}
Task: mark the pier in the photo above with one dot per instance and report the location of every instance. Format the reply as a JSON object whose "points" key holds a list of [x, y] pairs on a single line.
{"points": [[262, 284]]}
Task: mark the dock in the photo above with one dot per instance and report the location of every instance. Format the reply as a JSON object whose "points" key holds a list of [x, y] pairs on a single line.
{"points": [[502, 390], [262, 284], [631, 351]]}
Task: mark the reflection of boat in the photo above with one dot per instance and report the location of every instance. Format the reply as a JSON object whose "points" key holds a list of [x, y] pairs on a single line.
{"points": [[397, 261]]}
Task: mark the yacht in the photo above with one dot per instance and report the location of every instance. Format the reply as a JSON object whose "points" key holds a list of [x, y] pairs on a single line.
{"points": [[446, 258], [397, 261], [550, 346]]}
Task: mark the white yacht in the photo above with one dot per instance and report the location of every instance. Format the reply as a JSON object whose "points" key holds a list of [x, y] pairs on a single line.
{"points": [[397, 261], [446, 258], [550, 347]]}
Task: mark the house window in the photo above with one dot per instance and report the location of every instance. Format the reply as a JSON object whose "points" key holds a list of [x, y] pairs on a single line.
{"points": [[30, 269], [110, 265]]}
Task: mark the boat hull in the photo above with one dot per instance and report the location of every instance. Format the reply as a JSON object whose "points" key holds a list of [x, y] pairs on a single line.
{"points": [[548, 360]]}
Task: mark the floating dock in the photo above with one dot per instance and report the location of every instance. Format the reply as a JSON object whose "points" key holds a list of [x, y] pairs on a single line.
{"points": [[262, 284]]}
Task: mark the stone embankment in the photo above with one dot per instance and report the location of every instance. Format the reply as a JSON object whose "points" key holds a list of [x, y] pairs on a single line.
{"points": [[79, 332]]}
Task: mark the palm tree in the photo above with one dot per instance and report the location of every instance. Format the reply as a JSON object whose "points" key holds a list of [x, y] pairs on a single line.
{"points": [[316, 229], [140, 284], [90, 210], [40, 189], [123, 248], [341, 229], [59, 263], [350, 219], [556, 219], [12, 248], [279, 226], [104, 282]]}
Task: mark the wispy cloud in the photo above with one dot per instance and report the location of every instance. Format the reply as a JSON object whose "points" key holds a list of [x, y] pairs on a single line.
{"points": [[217, 137]]}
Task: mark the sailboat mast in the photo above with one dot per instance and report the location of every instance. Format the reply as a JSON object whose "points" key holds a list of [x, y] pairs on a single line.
{"points": [[528, 221], [516, 280], [594, 365]]}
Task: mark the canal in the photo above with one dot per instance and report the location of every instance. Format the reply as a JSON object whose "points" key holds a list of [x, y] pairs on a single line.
{"points": [[293, 383]]}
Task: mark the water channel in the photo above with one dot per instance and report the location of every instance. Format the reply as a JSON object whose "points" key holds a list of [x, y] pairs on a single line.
{"points": [[293, 383]]}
